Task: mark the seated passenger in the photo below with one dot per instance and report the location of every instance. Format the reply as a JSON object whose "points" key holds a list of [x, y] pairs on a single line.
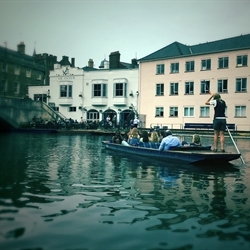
{"points": [[125, 139], [154, 137], [196, 141], [133, 137], [117, 138], [144, 137], [169, 141]]}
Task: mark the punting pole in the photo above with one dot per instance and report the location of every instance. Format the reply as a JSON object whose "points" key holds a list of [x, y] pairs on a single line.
{"points": [[235, 145]]}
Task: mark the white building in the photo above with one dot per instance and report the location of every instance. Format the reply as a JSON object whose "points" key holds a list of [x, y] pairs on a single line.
{"points": [[93, 94]]}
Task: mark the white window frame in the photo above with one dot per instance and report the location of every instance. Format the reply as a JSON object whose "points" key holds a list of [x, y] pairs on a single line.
{"points": [[205, 86], [224, 85], [223, 62], [122, 90], [159, 112], [240, 111], [174, 67], [174, 88], [72, 109], [189, 88], [159, 89], [173, 111], [189, 110], [160, 69], [103, 90], [189, 66], [93, 115], [241, 84], [241, 60], [206, 64], [204, 111], [68, 90]]}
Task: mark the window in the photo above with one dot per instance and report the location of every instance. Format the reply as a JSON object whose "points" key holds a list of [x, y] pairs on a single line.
{"points": [[189, 88], [99, 90], [189, 66], [53, 106], [16, 87], [206, 64], [93, 115], [159, 111], [223, 62], [222, 86], [4, 67], [174, 68], [240, 111], [120, 89], [38, 76], [3, 86], [173, 111], [188, 111], [204, 111], [160, 68], [28, 73], [241, 84], [17, 70], [160, 89], [205, 87], [66, 91], [241, 61], [72, 109], [174, 88]]}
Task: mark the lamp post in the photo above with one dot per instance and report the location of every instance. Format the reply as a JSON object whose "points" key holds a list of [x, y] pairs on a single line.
{"points": [[137, 95]]}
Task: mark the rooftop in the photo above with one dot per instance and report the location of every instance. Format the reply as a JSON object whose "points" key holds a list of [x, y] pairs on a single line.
{"points": [[176, 49]]}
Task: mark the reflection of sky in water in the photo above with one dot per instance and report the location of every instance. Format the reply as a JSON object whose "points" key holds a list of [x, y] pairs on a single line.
{"points": [[70, 191]]}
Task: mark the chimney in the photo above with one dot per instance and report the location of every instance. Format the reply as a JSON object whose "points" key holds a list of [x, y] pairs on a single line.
{"points": [[65, 61], [134, 62], [73, 62], [91, 63], [114, 60], [21, 48]]}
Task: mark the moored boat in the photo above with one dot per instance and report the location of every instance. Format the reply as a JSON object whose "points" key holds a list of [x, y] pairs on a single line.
{"points": [[190, 154]]}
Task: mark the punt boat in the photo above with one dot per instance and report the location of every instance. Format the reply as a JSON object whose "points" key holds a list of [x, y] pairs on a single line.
{"points": [[187, 154]]}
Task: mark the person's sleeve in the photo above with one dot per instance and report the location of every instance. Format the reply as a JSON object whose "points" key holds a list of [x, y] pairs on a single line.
{"points": [[213, 103], [161, 147]]}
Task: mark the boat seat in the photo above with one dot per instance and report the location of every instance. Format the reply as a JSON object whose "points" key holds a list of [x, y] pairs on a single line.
{"points": [[149, 145]]}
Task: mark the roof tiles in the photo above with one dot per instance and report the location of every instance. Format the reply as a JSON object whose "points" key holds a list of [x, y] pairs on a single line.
{"points": [[176, 49]]}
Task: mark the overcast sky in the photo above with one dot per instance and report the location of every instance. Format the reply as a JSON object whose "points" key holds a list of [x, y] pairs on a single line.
{"points": [[93, 29]]}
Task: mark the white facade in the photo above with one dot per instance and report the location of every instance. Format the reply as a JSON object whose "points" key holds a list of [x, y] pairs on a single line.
{"points": [[110, 92], [92, 95]]}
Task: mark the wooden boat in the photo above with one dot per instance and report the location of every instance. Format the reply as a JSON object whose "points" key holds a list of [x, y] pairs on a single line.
{"points": [[188, 154]]}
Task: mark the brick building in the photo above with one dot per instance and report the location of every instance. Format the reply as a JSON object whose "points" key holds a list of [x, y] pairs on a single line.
{"points": [[18, 71]]}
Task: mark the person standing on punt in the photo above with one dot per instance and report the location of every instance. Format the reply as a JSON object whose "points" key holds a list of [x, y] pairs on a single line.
{"points": [[136, 122], [169, 141], [219, 122]]}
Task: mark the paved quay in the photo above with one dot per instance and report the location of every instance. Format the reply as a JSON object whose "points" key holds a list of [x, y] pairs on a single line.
{"points": [[207, 133]]}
